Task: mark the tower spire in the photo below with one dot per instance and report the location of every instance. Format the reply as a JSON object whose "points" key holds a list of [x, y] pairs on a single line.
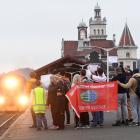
{"points": [[97, 10], [126, 38]]}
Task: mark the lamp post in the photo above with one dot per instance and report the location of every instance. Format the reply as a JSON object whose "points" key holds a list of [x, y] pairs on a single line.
{"points": [[71, 64], [107, 50]]}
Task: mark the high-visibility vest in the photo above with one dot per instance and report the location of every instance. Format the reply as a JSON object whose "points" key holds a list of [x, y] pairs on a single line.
{"points": [[39, 100]]}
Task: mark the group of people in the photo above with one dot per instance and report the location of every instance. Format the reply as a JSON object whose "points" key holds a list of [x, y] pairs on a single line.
{"points": [[96, 76], [54, 98], [128, 102], [57, 101]]}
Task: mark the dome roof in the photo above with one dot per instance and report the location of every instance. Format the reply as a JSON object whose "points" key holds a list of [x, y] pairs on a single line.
{"points": [[82, 24]]}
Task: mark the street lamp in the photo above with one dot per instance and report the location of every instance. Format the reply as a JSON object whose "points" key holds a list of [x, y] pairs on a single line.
{"points": [[107, 50]]}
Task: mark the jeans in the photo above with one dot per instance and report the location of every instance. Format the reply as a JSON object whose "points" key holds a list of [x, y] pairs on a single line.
{"points": [[40, 118], [98, 117], [122, 107], [135, 102], [129, 108]]}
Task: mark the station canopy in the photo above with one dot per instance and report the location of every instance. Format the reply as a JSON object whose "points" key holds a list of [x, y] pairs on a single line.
{"points": [[65, 64]]}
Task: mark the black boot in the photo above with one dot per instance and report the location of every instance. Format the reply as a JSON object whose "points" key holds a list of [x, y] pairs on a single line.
{"points": [[126, 122], [118, 123]]}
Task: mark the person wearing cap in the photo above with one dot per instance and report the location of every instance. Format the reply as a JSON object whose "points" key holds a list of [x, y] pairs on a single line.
{"points": [[122, 98]]}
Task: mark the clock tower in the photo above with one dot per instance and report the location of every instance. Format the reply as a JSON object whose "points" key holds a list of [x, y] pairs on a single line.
{"points": [[82, 31]]}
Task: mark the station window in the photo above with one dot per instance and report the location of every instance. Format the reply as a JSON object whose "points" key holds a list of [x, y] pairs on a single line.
{"points": [[134, 65], [98, 31], [102, 32], [94, 32], [128, 55]]}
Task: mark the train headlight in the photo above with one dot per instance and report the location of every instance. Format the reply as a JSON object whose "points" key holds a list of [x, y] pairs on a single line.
{"points": [[11, 82], [23, 100], [2, 100]]}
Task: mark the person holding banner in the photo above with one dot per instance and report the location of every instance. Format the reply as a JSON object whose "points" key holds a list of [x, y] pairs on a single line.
{"points": [[93, 97], [76, 80], [98, 77], [84, 116]]}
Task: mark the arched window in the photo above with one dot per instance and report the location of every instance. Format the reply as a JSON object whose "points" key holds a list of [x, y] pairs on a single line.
{"points": [[128, 55], [134, 65], [121, 63], [94, 32], [98, 32], [102, 32]]}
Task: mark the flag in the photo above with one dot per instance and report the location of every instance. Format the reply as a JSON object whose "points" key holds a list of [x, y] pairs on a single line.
{"points": [[73, 99], [92, 97]]}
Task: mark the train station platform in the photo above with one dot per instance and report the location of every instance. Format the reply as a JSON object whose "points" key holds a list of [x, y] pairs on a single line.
{"points": [[20, 130]]}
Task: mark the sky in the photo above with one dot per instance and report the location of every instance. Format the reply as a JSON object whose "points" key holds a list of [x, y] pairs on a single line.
{"points": [[31, 30]]}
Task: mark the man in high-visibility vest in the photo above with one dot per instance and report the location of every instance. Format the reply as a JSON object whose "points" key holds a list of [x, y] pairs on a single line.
{"points": [[39, 105]]}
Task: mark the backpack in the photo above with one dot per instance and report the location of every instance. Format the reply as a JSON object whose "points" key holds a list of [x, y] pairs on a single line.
{"points": [[138, 86]]}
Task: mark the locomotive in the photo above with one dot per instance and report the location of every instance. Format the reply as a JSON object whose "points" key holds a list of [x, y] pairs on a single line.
{"points": [[12, 92]]}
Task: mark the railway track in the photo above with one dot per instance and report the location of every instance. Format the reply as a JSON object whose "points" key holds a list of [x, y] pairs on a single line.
{"points": [[6, 119]]}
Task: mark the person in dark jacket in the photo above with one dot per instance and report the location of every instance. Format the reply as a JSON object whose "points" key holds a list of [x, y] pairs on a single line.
{"points": [[52, 100], [67, 86], [135, 100], [60, 99], [128, 74], [122, 98]]}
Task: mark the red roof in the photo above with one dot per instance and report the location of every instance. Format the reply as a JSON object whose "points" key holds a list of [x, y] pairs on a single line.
{"points": [[102, 43], [70, 47], [126, 38]]}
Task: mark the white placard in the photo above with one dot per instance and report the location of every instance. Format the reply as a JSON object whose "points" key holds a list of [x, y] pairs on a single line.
{"points": [[45, 80], [112, 59]]}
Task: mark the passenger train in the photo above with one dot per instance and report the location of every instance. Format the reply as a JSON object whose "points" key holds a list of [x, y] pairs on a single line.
{"points": [[12, 92]]}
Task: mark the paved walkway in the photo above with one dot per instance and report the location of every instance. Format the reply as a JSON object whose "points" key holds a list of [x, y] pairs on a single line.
{"points": [[20, 131]]}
